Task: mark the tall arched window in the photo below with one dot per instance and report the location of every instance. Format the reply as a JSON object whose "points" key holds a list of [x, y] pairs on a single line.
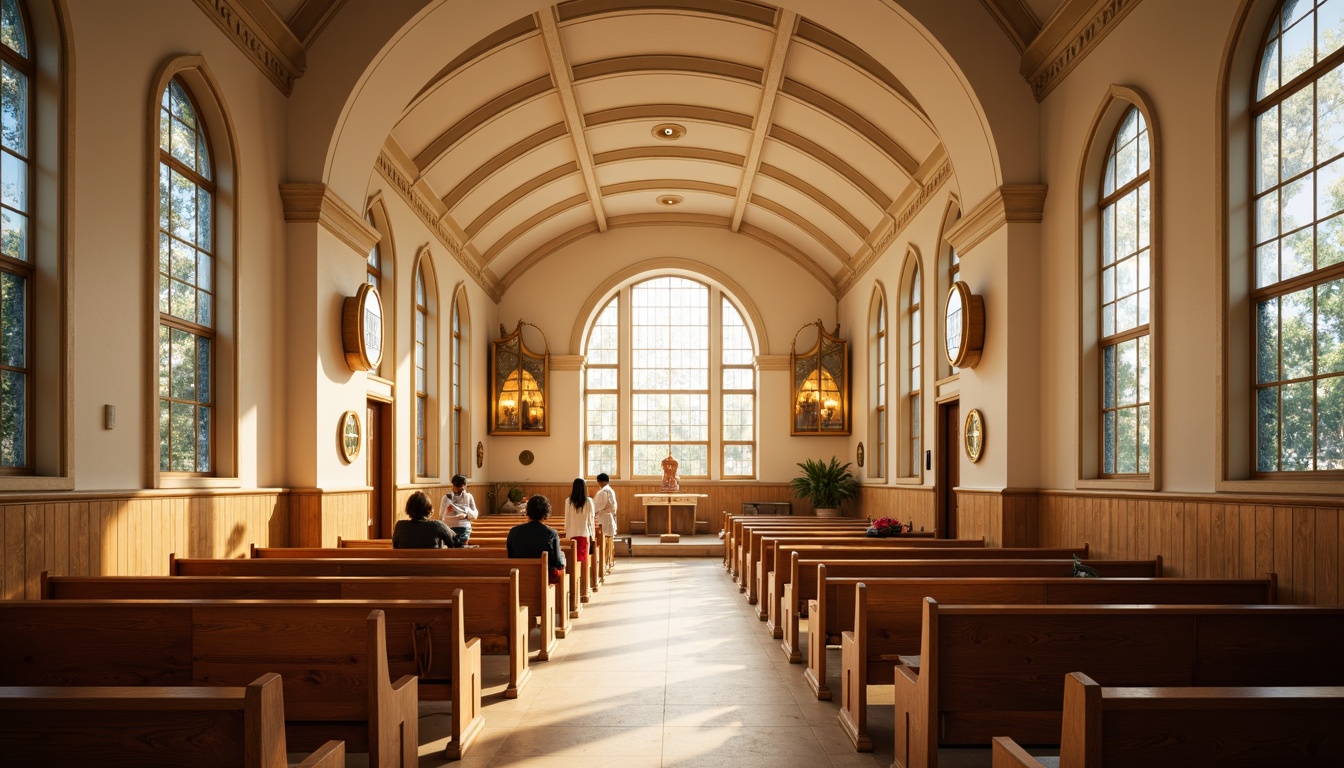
{"points": [[1297, 280], [426, 380], [877, 357], [17, 270], [679, 346], [602, 393], [915, 369], [1126, 362], [461, 382], [187, 278]]}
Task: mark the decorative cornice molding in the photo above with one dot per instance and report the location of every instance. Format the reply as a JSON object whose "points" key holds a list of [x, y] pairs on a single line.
{"points": [[263, 36], [772, 362], [917, 195], [1073, 32], [567, 362], [1016, 20], [1011, 203], [429, 216], [317, 203]]}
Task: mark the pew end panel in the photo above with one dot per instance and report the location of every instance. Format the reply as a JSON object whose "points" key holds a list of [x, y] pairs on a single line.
{"points": [[854, 676]]}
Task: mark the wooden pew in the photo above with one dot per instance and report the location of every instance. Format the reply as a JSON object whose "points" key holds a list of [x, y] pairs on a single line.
{"points": [[1171, 727], [735, 524], [332, 655], [744, 548], [810, 552], [801, 591], [492, 611], [893, 608], [825, 610], [998, 670], [378, 548], [201, 726], [534, 591]]}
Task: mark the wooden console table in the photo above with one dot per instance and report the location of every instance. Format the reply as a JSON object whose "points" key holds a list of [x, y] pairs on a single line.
{"points": [[681, 524]]}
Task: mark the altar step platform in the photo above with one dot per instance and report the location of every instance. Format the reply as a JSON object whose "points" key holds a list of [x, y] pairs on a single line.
{"points": [[643, 545]]}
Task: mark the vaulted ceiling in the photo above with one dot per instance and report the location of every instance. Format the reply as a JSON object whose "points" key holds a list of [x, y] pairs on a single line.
{"points": [[600, 114]]}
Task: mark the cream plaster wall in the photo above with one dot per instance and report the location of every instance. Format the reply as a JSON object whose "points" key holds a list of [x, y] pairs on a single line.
{"points": [[119, 49], [1153, 43]]}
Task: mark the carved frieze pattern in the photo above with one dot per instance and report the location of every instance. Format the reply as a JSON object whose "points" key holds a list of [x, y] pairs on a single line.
{"points": [[258, 46], [1048, 75], [387, 166], [897, 224]]}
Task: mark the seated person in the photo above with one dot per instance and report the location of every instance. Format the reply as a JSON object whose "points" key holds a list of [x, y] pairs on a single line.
{"points": [[420, 532], [534, 537]]}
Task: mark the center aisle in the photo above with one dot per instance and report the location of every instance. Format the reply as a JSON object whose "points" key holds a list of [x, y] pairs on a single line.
{"points": [[667, 666]]}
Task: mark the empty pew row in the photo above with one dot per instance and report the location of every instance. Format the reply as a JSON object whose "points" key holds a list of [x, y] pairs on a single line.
{"points": [[883, 618], [492, 612], [734, 525], [764, 544], [801, 570], [202, 726], [534, 592], [745, 544], [998, 670], [809, 578], [563, 589], [1175, 727], [336, 658]]}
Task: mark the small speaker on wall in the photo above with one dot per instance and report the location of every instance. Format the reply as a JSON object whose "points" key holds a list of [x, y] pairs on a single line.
{"points": [[928, 459]]}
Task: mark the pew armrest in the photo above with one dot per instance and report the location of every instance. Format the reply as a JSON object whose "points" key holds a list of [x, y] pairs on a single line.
{"points": [[329, 755], [1007, 754]]}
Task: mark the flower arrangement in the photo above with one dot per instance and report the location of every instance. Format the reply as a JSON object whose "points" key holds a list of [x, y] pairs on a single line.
{"points": [[887, 526]]}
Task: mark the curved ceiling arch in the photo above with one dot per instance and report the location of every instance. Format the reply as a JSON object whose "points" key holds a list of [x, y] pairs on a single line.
{"points": [[563, 115]]}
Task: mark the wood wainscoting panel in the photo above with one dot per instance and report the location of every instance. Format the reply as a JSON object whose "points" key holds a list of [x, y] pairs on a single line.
{"points": [[1209, 536], [908, 503], [131, 533], [318, 517]]}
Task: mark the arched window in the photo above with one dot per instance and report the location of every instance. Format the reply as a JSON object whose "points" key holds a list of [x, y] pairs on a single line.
{"points": [[877, 357], [1125, 303], [914, 368], [187, 276], [681, 345], [602, 393], [426, 380], [1297, 272], [461, 382], [17, 267]]}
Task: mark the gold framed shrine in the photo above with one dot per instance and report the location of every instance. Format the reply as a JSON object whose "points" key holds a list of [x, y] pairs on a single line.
{"points": [[519, 386], [820, 403]]}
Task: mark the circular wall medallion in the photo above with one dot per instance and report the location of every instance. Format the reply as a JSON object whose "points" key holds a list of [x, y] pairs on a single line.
{"points": [[525, 458], [362, 329], [860, 454], [480, 455], [973, 435], [350, 435], [963, 326]]}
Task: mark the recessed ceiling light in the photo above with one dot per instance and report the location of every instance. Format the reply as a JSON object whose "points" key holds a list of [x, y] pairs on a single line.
{"points": [[668, 131], [668, 201]]}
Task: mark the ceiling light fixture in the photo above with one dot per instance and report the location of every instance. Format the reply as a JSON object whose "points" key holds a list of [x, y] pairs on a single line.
{"points": [[668, 131], [667, 201]]}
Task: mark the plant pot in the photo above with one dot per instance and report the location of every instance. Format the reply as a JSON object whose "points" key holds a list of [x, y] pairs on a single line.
{"points": [[828, 512]]}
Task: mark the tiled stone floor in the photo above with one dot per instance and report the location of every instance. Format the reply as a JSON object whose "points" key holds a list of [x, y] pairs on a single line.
{"points": [[667, 666]]}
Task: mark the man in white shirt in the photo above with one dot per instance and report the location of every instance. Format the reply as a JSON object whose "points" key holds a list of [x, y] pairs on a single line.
{"points": [[604, 503]]}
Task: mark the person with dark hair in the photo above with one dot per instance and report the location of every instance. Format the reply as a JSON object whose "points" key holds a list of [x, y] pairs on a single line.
{"points": [[604, 504], [579, 519], [420, 532], [458, 509], [532, 538]]}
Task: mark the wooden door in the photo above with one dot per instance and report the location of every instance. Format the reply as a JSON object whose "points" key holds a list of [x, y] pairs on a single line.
{"points": [[949, 467], [378, 466]]}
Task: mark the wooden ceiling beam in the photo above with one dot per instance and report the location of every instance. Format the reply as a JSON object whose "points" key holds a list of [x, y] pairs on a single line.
{"points": [[563, 77], [774, 76]]}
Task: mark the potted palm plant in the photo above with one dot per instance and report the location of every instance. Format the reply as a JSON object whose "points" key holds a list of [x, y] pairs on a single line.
{"points": [[826, 485]]}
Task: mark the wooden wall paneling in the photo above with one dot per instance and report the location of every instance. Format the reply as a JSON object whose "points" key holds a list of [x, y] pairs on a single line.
{"points": [[1304, 551], [1283, 552], [36, 535], [1264, 540], [15, 548], [1326, 557]]}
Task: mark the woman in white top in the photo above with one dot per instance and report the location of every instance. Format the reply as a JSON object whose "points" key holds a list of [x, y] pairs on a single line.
{"points": [[458, 509], [579, 518]]}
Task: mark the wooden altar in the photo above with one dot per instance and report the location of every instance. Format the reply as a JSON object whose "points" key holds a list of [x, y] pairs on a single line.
{"points": [[670, 512]]}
